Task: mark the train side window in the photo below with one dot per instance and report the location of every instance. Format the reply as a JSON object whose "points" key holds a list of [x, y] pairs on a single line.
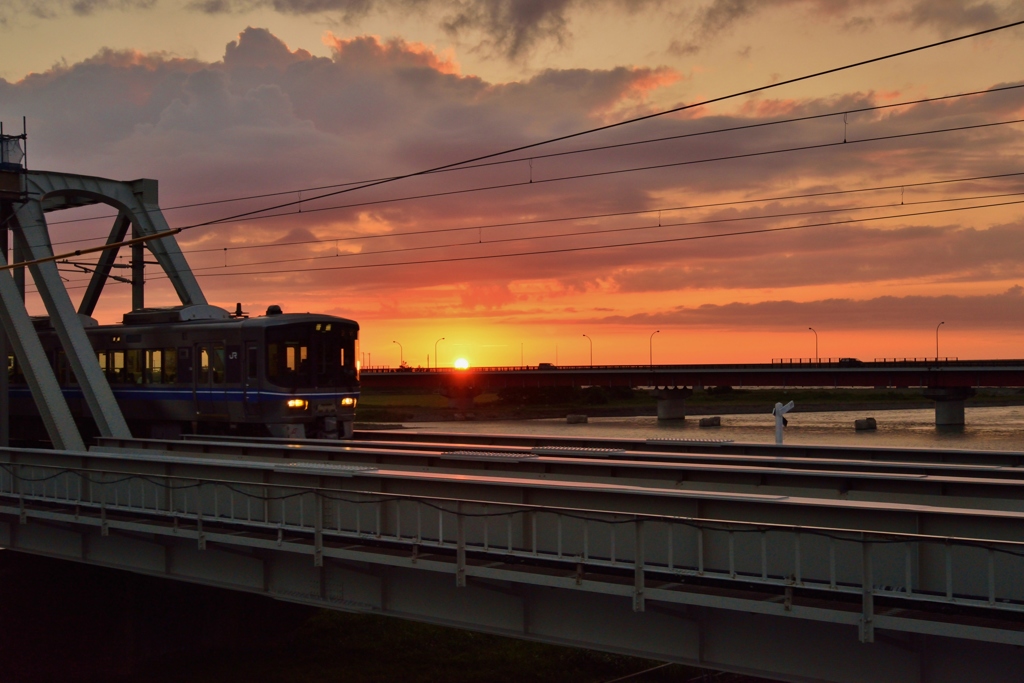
{"points": [[133, 359], [170, 366], [252, 362], [217, 364], [115, 372], [101, 357], [154, 366], [203, 371], [272, 361]]}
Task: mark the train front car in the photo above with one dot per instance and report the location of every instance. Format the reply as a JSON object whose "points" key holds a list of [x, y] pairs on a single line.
{"points": [[305, 384], [198, 369]]}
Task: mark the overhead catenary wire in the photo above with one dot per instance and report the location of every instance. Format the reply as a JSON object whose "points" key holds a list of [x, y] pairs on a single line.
{"points": [[595, 233], [619, 124], [900, 186], [714, 131], [650, 167], [629, 244], [636, 119], [659, 225], [602, 247], [614, 214], [635, 169], [763, 88]]}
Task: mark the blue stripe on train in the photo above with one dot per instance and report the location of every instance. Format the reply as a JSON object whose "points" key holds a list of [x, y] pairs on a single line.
{"points": [[187, 394]]}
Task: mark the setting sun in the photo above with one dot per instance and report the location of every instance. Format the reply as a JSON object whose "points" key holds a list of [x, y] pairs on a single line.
{"points": [[462, 364]]}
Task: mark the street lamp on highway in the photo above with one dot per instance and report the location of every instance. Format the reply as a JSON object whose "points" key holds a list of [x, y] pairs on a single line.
{"points": [[937, 338], [401, 354], [591, 350], [650, 344], [435, 352], [815, 343]]}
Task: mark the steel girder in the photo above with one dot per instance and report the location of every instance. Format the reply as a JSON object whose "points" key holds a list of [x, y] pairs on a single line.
{"points": [[22, 338], [137, 205], [31, 235], [137, 200]]}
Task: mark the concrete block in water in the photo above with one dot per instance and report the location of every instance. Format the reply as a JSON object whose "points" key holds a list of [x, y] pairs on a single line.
{"points": [[868, 424], [576, 419], [715, 421]]}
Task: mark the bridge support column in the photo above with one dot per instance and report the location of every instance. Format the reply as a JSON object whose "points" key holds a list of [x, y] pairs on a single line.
{"points": [[949, 404], [672, 402]]}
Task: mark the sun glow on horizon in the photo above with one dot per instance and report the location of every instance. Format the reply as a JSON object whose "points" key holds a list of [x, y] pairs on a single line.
{"points": [[461, 364]]}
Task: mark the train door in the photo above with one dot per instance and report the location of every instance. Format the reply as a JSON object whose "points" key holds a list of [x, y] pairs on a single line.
{"points": [[210, 392], [251, 379]]}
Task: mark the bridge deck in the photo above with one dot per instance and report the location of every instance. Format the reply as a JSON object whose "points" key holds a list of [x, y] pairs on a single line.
{"points": [[629, 551]]}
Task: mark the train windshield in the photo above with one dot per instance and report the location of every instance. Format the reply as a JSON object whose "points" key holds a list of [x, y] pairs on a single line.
{"points": [[316, 354]]}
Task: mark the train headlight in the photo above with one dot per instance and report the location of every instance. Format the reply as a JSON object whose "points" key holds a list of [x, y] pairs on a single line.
{"points": [[298, 403], [348, 402]]}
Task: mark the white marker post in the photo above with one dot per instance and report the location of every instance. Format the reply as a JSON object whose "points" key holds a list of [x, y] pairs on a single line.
{"points": [[780, 421]]}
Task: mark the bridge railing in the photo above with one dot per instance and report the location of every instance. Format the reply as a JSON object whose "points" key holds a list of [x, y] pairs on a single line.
{"points": [[908, 361], [905, 567]]}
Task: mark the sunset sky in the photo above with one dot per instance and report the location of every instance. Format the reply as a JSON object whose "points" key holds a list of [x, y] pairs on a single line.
{"points": [[226, 99]]}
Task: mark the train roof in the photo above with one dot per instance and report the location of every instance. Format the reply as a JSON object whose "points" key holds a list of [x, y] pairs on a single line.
{"points": [[187, 316]]}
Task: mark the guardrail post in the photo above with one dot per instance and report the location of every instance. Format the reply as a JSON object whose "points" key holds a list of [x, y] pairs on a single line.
{"points": [[638, 568], [867, 619], [318, 531], [991, 577], [460, 547], [200, 536]]}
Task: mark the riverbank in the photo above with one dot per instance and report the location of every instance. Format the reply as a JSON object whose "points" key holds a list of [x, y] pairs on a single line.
{"points": [[378, 406]]}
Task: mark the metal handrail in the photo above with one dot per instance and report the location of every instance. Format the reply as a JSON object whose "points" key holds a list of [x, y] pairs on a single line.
{"points": [[191, 505]]}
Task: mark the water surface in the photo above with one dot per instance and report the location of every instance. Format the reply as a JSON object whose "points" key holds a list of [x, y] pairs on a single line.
{"points": [[990, 428]]}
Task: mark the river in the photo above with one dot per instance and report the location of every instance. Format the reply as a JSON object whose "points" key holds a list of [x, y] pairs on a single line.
{"points": [[988, 428]]}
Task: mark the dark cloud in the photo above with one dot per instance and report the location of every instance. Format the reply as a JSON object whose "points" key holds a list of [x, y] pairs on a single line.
{"points": [[510, 28], [717, 17], [48, 9], [957, 16], [1002, 311]]}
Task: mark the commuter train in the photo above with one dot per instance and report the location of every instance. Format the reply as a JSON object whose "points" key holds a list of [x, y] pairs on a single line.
{"points": [[199, 369]]}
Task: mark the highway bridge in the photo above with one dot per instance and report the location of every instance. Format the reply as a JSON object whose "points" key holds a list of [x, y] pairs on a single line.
{"points": [[948, 382]]}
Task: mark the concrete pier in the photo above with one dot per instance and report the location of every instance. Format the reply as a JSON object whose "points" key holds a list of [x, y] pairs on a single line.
{"points": [[949, 404], [672, 402]]}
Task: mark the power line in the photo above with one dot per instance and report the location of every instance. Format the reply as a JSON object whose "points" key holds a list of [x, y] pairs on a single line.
{"points": [[594, 233], [637, 119], [565, 250], [632, 228], [576, 151], [626, 244], [615, 214], [596, 174], [640, 212]]}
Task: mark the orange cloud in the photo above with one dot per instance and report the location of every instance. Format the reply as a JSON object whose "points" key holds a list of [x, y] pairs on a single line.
{"points": [[394, 51]]}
